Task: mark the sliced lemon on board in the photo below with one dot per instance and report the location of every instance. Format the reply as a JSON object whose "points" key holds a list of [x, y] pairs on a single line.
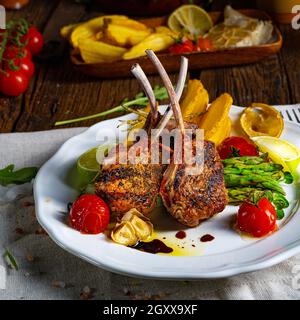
{"points": [[262, 120], [280, 151], [190, 19]]}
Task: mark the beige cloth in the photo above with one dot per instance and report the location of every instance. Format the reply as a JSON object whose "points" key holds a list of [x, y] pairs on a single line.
{"points": [[49, 272]]}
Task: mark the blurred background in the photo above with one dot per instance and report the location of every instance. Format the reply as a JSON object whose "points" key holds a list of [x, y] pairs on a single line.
{"points": [[280, 9]]}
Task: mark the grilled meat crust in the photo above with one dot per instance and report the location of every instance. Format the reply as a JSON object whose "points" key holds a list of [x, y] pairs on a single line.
{"points": [[124, 187], [198, 197], [128, 186]]}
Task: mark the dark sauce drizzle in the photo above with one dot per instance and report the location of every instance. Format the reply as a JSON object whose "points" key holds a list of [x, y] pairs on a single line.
{"points": [[180, 234], [207, 238], [154, 246]]}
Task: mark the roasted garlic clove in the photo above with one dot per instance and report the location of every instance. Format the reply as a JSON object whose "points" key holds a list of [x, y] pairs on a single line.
{"points": [[124, 233], [133, 227], [143, 229], [141, 224], [134, 212]]}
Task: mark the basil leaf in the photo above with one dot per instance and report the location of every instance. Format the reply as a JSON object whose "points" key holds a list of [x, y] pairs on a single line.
{"points": [[9, 176]]}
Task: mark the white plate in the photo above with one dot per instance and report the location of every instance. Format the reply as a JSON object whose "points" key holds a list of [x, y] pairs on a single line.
{"points": [[228, 254]]}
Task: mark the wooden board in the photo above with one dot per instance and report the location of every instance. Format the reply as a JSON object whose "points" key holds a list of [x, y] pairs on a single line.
{"points": [[197, 60]]}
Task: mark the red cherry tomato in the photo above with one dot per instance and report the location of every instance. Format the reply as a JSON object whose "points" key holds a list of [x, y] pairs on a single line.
{"points": [[23, 64], [258, 220], [203, 44], [34, 39], [182, 46], [12, 52], [27, 67], [236, 146], [13, 83], [89, 214]]}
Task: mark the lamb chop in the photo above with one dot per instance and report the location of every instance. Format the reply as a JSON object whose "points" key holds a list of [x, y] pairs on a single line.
{"points": [[127, 186], [191, 198]]}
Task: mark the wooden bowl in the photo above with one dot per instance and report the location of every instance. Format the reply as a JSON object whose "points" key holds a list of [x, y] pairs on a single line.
{"points": [[197, 60]]}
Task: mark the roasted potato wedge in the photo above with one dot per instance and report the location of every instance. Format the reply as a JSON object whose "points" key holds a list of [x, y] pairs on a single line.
{"points": [[216, 122], [166, 30], [90, 28], [195, 101], [128, 23], [125, 36], [66, 31], [221, 133], [93, 51], [155, 41]]}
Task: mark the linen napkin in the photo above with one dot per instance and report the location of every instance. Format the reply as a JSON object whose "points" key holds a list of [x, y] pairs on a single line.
{"points": [[48, 272]]}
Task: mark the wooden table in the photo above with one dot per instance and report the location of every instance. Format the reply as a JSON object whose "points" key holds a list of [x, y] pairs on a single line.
{"points": [[58, 92]]}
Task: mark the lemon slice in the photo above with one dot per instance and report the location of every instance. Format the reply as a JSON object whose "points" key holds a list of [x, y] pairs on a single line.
{"points": [[280, 151], [190, 19], [262, 120]]}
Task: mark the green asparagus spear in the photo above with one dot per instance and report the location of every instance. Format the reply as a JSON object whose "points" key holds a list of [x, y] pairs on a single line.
{"points": [[253, 180], [274, 175], [266, 166], [243, 160]]}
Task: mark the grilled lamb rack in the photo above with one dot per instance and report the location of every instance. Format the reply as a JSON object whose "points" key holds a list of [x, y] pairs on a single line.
{"points": [[127, 186], [191, 198]]}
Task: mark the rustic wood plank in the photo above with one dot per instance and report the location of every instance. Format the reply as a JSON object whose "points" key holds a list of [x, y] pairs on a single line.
{"points": [[58, 92], [62, 93], [262, 82], [290, 60], [11, 108]]}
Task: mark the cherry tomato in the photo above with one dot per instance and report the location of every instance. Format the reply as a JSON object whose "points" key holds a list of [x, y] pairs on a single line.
{"points": [[236, 146], [257, 220], [24, 64], [182, 46], [27, 67], [13, 83], [89, 214], [204, 44], [34, 39], [12, 52]]}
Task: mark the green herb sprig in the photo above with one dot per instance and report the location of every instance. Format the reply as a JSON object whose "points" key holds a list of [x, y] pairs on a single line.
{"points": [[10, 259], [140, 100], [9, 176]]}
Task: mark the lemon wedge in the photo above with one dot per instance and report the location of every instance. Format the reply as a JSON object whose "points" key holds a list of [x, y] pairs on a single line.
{"points": [[191, 20], [280, 151]]}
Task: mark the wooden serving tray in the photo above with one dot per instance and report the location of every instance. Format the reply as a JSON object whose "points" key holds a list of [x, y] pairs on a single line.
{"points": [[197, 60]]}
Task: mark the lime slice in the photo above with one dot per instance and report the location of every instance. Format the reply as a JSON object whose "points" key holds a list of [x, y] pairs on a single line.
{"points": [[280, 151], [87, 166], [190, 19]]}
